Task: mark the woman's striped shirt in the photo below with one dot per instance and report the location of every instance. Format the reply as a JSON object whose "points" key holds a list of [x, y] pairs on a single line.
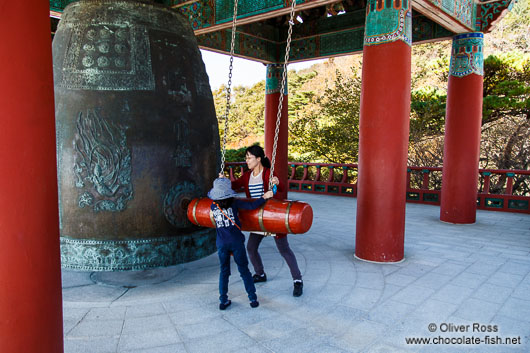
{"points": [[255, 185]]}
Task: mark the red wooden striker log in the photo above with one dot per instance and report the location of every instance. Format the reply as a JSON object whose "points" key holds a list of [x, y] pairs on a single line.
{"points": [[275, 216]]}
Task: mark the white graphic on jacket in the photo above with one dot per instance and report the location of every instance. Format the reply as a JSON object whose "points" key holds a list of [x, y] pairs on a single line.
{"points": [[220, 218]]}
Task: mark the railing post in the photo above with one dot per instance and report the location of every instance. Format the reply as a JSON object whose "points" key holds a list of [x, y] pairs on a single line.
{"points": [[231, 169], [509, 184], [425, 184], [408, 177], [486, 189], [304, 177], [293, 172], [317, 177], [330, 178], [344, 179]]}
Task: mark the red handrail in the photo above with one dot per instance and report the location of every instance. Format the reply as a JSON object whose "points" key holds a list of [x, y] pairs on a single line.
{"points": [[310, 181]]}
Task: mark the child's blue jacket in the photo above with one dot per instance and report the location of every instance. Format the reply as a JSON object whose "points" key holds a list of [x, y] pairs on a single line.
{"points": [[227, 232]]}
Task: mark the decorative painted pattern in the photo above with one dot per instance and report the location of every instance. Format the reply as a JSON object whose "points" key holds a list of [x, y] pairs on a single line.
{"points": [[388, 21], [176, 202], [224, 9], [123, 255], [214, 40], [256, 47], [305, 48], [462, 10], [107, 56], [102, 164], [448, 5], [341, 42], [207, 13], [274, 78], [467, 55], [200, 14], [488, 13]]}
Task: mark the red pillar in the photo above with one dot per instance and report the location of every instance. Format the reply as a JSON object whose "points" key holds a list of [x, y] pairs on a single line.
{"points": [[383, 138], [462, 130], [30, 273], [272, 96]]}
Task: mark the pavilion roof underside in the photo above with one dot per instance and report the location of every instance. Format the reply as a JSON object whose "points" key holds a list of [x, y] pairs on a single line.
{"points": [[323, 28]]}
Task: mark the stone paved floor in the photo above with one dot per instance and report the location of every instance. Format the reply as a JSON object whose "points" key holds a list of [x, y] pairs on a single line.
{"points": [[454, 276]]}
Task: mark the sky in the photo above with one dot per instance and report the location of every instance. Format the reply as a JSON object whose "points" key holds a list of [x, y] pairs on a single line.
{"points": [[244, 72]]}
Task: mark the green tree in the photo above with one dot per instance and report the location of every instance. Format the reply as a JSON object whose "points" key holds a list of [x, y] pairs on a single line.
{"points": [[246, 118], [506, 86], [505, 142], [427, 113], [332, 133], [299, 100]]}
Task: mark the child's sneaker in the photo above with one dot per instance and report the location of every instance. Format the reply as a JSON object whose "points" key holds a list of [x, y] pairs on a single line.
{"points": [[259, 278], [254, 304], [298, 288], [225, 305]]}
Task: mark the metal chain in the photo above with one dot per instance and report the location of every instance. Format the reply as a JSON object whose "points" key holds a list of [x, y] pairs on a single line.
{"points": [[228, 88], [280, 102]]}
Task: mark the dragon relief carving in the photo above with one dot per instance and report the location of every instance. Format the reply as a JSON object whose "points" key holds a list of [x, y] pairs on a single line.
{"points": [[102, 164]]}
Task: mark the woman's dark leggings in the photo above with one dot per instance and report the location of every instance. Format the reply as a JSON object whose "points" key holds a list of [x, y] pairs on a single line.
{"points": [[283, 247]]}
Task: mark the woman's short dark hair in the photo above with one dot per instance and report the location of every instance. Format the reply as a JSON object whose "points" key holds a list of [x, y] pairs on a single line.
{"points": [[257, 151], [225, 203]]}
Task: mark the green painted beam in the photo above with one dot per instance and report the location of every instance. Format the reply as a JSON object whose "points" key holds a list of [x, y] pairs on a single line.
{"points": [[59, 5], [336, 35], [246, 46], [212, 15]]}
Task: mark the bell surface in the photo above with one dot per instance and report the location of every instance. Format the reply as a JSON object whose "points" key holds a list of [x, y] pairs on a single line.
{"points": [[137, 136]]}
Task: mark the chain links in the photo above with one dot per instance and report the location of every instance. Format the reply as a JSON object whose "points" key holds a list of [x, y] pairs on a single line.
{"points": [[280, 102], [228, 88]]}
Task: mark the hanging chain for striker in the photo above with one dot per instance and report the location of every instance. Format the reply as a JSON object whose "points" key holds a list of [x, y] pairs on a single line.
{"points": [[280, 102], [228, 88]]}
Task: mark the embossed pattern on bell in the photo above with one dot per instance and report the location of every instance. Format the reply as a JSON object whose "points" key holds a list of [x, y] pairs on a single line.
{"points": [[137, 136]]}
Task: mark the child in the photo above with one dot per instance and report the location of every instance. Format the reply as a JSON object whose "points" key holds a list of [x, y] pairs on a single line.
{"points": [[230, 239]]}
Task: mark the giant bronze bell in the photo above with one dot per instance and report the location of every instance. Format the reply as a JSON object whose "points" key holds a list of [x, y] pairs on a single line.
{"points": [[137, 136]]}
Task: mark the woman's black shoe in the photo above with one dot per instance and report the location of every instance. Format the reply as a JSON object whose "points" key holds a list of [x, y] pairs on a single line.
{"points": [[257, 278], [298, 288]]}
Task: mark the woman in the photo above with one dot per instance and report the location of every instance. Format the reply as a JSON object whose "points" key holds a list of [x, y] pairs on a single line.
{"points": [[256, 183]]}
